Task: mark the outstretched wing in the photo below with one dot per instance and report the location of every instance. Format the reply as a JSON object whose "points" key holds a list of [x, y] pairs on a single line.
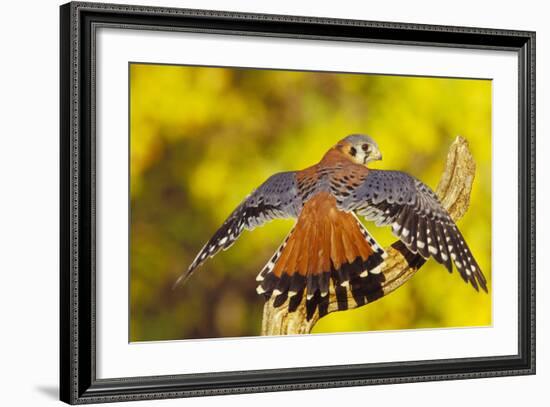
{"points": [[417, 219], [275, 198]]}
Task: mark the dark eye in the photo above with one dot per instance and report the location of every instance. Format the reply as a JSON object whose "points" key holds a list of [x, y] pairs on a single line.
{"points": [[353, 151], [365, 147]]}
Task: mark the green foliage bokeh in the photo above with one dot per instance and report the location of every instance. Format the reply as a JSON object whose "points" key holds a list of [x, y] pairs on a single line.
{"points": [[202, 138]]}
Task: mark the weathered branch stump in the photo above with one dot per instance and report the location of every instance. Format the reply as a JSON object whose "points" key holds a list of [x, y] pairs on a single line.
{"points": [[453, 190]]}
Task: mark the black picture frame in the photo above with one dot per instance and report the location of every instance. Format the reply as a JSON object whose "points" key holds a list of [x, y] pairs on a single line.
{"points": [[78, 382]]}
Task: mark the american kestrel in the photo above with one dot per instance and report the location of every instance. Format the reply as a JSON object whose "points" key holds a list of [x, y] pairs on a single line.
{"points": [[328, 244]]}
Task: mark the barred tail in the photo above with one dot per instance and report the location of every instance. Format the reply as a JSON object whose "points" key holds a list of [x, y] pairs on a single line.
{"points": [[326, 246]]}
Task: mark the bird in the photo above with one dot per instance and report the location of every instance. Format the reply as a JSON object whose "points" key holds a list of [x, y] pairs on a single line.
{"points": [[329, 246]]}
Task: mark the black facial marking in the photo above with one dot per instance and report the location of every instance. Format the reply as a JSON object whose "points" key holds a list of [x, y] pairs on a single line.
{"points": [[353, 151]]}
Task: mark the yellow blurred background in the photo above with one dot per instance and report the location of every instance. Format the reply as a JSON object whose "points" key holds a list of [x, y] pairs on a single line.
{"points": [[202, 138]]}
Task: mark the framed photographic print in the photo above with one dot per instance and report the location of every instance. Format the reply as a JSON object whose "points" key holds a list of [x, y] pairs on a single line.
{"points": [[235, 186]]}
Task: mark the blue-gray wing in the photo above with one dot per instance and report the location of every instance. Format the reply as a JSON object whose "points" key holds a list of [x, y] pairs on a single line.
{"points": [[416, 218], [276, 198]]}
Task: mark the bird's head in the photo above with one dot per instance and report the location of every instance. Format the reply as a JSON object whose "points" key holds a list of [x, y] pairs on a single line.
{"points": [[359, 148]]}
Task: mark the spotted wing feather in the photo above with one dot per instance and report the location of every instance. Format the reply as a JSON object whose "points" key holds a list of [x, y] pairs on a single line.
{"points": [[416, 218], [276, 198]]}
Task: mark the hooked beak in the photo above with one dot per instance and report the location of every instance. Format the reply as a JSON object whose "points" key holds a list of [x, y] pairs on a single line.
{"points": [[376, 156]]}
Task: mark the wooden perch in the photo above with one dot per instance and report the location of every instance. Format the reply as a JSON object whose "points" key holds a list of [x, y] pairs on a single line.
{"points": [[454, 192]]}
